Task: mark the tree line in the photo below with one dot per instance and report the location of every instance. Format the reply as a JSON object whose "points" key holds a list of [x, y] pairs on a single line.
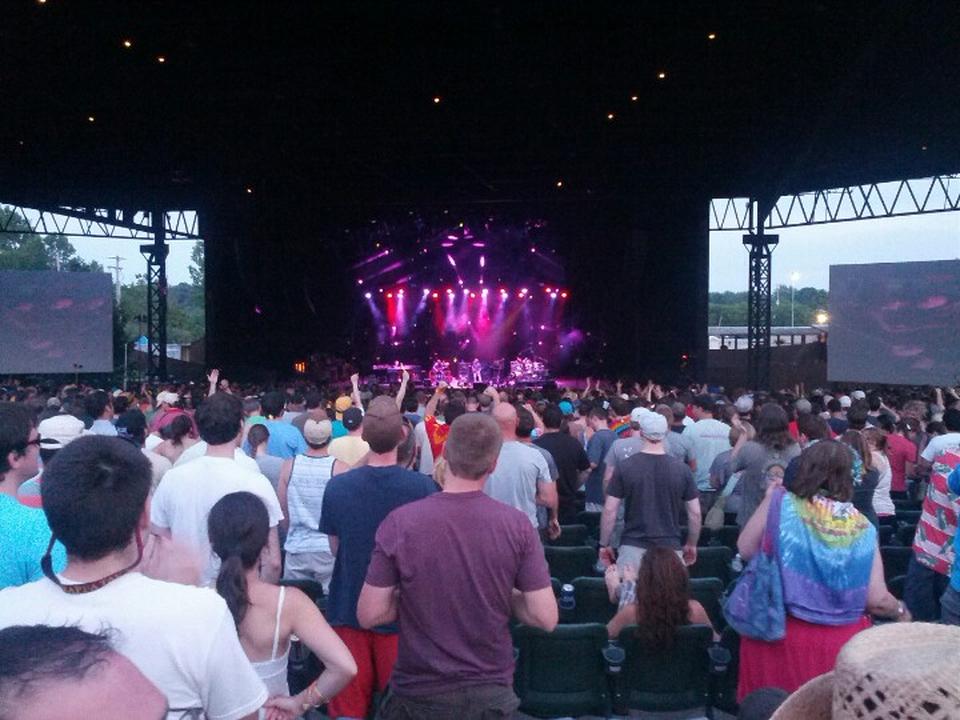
{"points": [[730, 308]]}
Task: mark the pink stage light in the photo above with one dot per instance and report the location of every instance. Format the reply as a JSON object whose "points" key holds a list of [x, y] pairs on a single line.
{"points": [[360, 282], [367, 295], [483, 261], [452, 261], [563, 295], [483, 292], [453, 237], [390, 295], [436, 295], [473, 295], [553, 296]]}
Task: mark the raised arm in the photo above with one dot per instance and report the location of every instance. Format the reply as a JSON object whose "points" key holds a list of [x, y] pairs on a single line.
{"points": [[213, 376], [402, 392], [355, 392], [431, 408]]}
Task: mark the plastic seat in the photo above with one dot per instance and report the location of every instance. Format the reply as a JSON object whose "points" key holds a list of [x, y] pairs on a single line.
{"points": [[571, 536], [592, 521], [712, 562], [885, 534], [726, 536], [905, 535], [707, 592], [562, 673], [908, 517], [567, 563], [895, 560], [593, 602], [666, 680]]}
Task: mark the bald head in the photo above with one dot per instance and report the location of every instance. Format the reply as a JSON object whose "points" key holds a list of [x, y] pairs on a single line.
{"points": [[506, 416]]}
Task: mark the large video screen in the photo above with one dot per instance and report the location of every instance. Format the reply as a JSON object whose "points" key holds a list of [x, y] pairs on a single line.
{"points": [[895, 323], [55, 322]]}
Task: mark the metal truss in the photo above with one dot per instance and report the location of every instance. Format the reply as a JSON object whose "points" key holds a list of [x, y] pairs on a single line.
{"points": [[758, 308], [156, 257], [940, 193], [118, 224]]}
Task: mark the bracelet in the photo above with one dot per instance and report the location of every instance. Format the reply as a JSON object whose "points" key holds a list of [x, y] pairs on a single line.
{"points": [[321, 699]]}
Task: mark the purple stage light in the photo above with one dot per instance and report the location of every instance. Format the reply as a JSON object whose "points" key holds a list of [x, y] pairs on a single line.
{"points": [[483, 261], [452, 237], [452, 261], [483, 293], [360, 281], [367, 295], [553, 296]]}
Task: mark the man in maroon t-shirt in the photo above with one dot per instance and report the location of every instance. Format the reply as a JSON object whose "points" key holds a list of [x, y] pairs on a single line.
{"points": [[463, 563], [901, 453]]}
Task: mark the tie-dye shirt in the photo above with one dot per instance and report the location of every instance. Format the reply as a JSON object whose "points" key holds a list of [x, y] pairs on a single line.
{"points": [[826, 550]]}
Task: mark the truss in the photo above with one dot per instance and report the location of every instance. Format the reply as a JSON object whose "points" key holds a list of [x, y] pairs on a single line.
{"points": [[119, 224], [940, 193]]}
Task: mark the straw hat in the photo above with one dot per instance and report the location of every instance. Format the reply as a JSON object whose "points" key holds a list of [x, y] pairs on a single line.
{"points": [[899, 670]]}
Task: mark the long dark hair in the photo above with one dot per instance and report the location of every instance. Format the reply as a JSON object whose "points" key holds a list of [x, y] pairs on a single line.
{"points": [[257, 436], [773, 427], [663, 597], [238, 527]]}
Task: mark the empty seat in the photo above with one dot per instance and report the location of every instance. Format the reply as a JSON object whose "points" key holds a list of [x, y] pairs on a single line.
{"points": [[712, 562], [567, 563], [571, 536], [592, 521], [593, 601], [707, 592], [895, 560], [726, 536], [562, 673]]}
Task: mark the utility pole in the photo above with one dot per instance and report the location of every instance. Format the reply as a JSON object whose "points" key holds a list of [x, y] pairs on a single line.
{"points": [[116, 271]]}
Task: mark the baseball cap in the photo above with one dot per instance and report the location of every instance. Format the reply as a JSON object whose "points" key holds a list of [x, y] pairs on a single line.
{"points": [[845, 401], [352, 417], [858, 395], [343, 403], [168, 397], [53, 402], [132, 425], [653, 426], [803, 406], [744, 404], [382, 425], [317, 432], [636, 415], [566, 407], [59, 431]]}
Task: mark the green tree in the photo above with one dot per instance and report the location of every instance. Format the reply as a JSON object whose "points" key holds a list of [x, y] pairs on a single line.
{"points": [[197, 266]]}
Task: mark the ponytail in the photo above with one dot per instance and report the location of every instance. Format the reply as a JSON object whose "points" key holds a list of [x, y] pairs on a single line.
{"points": [[232, 587]]}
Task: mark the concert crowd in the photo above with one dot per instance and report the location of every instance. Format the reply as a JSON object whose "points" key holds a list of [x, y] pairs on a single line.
{"points": [[363, 549]]}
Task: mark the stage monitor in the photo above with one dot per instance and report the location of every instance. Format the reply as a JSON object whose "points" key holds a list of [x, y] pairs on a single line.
{"points": [[895, 323], [55, 322]]}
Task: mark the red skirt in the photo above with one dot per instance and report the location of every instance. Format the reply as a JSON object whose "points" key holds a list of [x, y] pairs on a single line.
{"points": [[805, 652]]}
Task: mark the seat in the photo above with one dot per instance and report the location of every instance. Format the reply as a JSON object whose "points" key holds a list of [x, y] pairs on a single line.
{"points": [[666, 680], [712, 562], [562, 673], [885, 533], [593, 602], [567, 563], [895, 560], [726, 536], [707, 592], [905, 535], [571, 536], [908, 517], [592, 521], [705, 539]]}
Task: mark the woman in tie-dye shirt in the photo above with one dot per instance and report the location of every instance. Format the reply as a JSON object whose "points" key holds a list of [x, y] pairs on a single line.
{"points": [[831, 570]]}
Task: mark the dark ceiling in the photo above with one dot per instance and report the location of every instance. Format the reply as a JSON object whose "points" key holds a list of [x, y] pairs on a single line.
{"points": [[332, 105]]}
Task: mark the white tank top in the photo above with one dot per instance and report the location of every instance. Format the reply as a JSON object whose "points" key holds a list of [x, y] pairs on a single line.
{"points": [[308, 481], [273, 672]]}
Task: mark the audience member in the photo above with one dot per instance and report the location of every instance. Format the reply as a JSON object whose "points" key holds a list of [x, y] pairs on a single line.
{"points": [[455, 653], [268, 617], [571, 460], [132, 427], [183, 499], [99, 407], [702, 442], [285, 440], [258, 438], [181, 638], [773, 447], [350, 448], [597, 448], [354, 505]]}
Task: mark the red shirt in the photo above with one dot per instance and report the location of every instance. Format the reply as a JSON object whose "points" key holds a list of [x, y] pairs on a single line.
{"points": [[900, 451]]}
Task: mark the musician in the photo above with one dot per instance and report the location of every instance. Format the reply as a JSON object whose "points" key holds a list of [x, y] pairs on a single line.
{"points": [[476, 369]]}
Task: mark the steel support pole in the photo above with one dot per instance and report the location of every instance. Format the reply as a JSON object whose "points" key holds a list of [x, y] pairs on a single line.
{"points": [[758, 307]]}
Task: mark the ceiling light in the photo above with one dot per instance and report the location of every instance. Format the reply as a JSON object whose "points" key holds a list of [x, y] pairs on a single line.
{"points": [[559, 183], [91, 118], [634, 98], [712, 36], [249, 191], [610, 116], [662, 75], [128, 43], [436, 99], [161, 59]]}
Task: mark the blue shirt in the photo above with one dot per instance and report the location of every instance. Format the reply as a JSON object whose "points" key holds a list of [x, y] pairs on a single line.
{"points": [[339, 430], [24, 536], [953, 483], [286, 441], [354, 505], [597, 448]]}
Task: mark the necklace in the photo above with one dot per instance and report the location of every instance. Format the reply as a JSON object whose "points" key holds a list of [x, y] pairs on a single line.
{"points": [[46, 564]]}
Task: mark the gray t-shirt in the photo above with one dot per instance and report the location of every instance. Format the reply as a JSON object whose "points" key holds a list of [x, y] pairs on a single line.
{"points": [[654, 490], [703, 441], [514, 481], [753, 463], [620, 451]]}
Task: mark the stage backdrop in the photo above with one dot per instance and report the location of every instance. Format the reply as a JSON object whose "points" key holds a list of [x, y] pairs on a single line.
{"points": [[52, 322], [895, 323]]}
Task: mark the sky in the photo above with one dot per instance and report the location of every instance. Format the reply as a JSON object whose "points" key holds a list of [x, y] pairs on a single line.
{"points": [[133, 263], [811, 250]]}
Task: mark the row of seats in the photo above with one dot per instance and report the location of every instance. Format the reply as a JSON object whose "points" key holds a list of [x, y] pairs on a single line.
{"points": [[575, 671], [567, 563]]}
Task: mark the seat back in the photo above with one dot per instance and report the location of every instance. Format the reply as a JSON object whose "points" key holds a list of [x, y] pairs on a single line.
{"points": [[707, 592], [571, 536], [562, 673], [712, 562], [593, 601], [726, 536], [567, 563], [666, 680], [905, 535], [895, 560], [592, 521]]}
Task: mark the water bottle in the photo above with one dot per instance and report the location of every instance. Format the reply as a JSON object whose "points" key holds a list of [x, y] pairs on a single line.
{"points": [[737, 564], [567, 601]]}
